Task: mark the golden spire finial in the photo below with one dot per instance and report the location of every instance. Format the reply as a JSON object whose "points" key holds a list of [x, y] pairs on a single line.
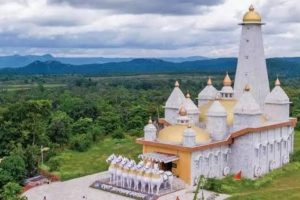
{"points": [[247, 88], [252, 17], [188, 95], [176, 84], [209, 82], [227, 81], [182, 111], [251, 8], [150, 120], [277, 82]]}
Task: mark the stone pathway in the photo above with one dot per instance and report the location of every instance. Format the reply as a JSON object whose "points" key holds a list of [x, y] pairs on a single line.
{"points": [[78, 189]]}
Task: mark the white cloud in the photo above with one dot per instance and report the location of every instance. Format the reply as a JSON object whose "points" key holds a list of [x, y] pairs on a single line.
{"points": [[38, 27]]}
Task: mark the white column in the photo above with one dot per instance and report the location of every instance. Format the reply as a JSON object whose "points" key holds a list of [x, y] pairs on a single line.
{"points": [[251, 66]]}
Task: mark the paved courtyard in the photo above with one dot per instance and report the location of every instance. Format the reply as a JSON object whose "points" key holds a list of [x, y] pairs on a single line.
{"points": [[78, 189]]}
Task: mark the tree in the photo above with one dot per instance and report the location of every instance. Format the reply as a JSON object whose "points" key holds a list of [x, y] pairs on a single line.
{"points": [[82, 126], [14, 165], [11, 191], [59, 129], [80, 142]]}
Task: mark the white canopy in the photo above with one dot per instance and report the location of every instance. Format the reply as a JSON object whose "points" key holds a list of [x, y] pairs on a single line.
{"points": [[159, 157]]}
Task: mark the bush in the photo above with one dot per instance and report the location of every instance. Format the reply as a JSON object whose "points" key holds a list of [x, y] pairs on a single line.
{"points": [[11, 191], [214, 185], [80, 142], [53, 164], [136, 132], [118, 134], [295, 156]]}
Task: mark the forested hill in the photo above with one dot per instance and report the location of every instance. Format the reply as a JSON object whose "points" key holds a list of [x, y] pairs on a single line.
{"points": [[281, 66]]}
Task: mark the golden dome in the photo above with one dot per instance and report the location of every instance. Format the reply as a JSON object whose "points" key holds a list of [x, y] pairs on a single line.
{"points": [[174, 134], [209, 82], [227, 81], [277, 82], [182, 111], [251, 16]]}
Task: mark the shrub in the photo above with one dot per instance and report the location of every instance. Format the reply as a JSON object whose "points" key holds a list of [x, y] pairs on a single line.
{"points": [[53, 164], [80, 142], [118, 134], [295, 156], [213, 184]]}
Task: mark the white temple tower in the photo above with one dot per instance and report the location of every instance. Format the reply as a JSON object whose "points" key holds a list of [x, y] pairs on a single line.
{"points": [[277, 104], [216, 121], [251, 65], [173, 103], [150, 131]]}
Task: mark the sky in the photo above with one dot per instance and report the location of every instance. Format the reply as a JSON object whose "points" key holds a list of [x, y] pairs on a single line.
{"points": [[143, 28]]}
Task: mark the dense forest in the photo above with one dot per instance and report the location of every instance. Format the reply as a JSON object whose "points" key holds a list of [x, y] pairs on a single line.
{"points": [[73, 112]]}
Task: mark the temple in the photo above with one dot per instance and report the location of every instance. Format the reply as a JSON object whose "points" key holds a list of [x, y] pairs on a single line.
{"points": [[242, 128]]}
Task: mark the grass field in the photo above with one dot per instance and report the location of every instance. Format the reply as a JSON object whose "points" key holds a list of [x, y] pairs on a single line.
{"points": [[15, 87], [75, 164], [280, 184]]}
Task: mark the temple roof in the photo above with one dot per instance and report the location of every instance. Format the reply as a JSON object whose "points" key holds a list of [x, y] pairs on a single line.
{"points": [[176, 98], [216, 109], [277, 95], [208, 93], [247, 105], [174, 134], [189, 105]]}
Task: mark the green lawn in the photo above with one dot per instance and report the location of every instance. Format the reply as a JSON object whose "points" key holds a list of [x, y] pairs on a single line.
{"points": [[74, 164]]}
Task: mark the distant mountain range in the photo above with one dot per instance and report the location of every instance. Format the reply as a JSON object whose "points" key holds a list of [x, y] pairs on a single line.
{"points": [[280, 66], [15, 61]]}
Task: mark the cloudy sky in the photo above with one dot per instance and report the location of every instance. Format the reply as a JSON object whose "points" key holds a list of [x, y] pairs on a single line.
{"points": [[143, 28]]}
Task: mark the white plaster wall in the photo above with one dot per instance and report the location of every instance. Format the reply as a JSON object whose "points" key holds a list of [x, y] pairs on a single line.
{"points": [[251, 66], [150, 135], [242, 155], [171, 115], [194, 118], [217, 127], [277, 112], [245, 121], [210, 162], [260, 150], [189, 141], [202, 102]]}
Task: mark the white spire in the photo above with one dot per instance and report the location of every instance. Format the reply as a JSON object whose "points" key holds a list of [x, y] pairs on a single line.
{"points": [[251, 65], [209, 92], [176, 98], [277, 95], [227, 90], [216, 109], [247, 104], [189, 105]]}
